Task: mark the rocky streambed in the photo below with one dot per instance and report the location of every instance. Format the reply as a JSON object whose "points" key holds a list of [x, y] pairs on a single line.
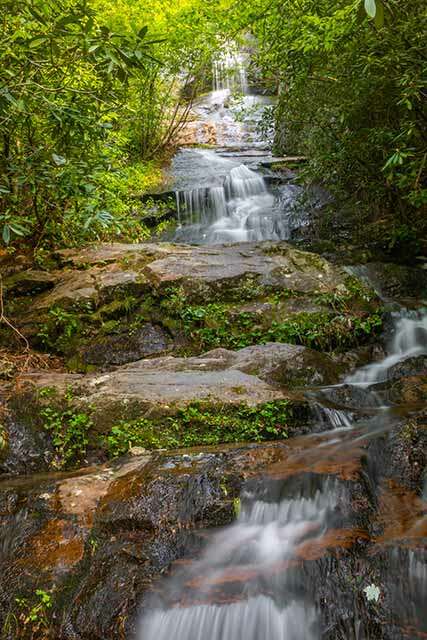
{"points": [[166, 345], [221, 440], [243, 354]]}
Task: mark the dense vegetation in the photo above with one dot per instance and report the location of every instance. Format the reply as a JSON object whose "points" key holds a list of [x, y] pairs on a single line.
{"points": [[93, 94], [352, 85], [89, 104]]}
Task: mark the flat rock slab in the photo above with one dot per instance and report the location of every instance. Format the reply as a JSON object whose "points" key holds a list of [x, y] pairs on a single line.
{"points": [[95, 273], [273, 264], [250, 376]]}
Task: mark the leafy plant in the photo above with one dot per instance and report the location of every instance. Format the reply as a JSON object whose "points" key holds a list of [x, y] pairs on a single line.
{"points": [[200, 423], [68, 428], [62, 75], [34, 616]]}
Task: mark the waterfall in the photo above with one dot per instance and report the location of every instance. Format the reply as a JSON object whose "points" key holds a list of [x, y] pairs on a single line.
{"points": [[248, 583], [410, 340], [239, 209], [264, 539], [229, 71]]}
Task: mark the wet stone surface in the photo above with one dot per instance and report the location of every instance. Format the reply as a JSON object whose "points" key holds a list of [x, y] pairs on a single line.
{"points": [[96, 540]]}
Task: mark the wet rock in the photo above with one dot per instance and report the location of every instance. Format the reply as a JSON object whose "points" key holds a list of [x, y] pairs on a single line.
{"points": [[394, 280], [275, 264], [106, 253], [251, 376], [29, 282], [410, 392], [119, 349], [72, 289], [408, 367], [167, 381], [94, 286], [99, 541], [28, 450], [287, 365], [109, 289], [94, 540], [272, 264]]}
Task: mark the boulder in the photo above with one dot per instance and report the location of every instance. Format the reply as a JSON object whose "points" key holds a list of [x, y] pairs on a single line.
{"points": [[395, 281], [108, 290], [148, 340], [251, 376], [221, 396]]}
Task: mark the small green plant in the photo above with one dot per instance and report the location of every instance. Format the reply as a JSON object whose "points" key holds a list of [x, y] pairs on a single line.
{"points": [[199, 424], [217, 325], [35, 615], [69, 430], [62, 326]]}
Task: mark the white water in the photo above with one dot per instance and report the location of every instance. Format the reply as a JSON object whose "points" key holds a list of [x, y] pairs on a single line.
{"points": [[245, 585], [265, 536], [238, 210], [410, 340], [229, 72], [257, 618], [230, 202]]}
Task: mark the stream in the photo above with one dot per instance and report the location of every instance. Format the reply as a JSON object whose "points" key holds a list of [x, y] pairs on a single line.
{"points": [[260, 551], [325, 543], [222, 194], [248, 583]]}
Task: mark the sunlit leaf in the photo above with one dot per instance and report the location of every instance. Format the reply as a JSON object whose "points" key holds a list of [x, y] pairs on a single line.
{"points": [[371, 8], [58, 160]]}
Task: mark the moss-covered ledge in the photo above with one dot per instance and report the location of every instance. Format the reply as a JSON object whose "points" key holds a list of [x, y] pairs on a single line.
{"points": [[221, 397], [134, 301]]}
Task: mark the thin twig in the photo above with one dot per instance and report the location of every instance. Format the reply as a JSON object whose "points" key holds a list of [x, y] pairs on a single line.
{"points": [[7, 322]]}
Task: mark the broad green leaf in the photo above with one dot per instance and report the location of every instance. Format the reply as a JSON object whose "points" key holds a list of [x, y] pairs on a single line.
{"points": [[371, 8], [58, 160], [379, 16], [6, 234]]}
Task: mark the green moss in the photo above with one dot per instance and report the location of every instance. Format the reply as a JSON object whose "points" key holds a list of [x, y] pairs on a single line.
{"points": [[202, 424], [218, 325]]}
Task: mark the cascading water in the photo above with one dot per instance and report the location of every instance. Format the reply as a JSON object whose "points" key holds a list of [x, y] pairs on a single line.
{"points": [[263, 542], [248, 584], [409, 341], [239, 210], [230, 201], [229, 72]]}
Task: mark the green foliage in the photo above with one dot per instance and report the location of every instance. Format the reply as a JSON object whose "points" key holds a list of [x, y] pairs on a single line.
{"points": [[62, 76], [33, 617], [219, 325], [201, 424], [67, 427], [60, 329], [352, 99]]}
